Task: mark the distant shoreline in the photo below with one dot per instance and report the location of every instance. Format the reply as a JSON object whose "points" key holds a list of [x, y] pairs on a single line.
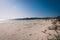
{"points": [[34, 18]]}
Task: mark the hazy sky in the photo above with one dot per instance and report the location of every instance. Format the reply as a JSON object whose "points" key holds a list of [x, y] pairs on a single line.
{"points": [[29, 8]]}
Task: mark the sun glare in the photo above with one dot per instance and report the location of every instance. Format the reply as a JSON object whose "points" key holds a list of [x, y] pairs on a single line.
{"points": [[2, 19]]}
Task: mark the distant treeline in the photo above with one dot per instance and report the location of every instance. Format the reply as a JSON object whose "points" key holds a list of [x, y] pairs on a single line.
{"points": [[58, 17]]}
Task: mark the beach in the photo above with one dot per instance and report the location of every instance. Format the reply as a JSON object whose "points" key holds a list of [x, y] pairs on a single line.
{"points": [[30, 30]]}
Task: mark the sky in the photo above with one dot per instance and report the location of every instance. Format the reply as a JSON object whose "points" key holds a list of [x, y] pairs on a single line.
{"points": [[10, 9]]}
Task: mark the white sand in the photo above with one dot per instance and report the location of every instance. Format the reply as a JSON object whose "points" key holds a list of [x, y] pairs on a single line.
{"points": [[28, 30]]}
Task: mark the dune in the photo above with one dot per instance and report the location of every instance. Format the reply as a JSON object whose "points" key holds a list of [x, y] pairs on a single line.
{"points": [[39, 29]]}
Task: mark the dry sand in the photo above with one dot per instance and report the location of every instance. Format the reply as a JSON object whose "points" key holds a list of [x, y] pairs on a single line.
{"points": [[30, 30]]}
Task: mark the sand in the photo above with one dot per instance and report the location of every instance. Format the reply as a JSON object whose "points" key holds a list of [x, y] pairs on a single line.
{"points": [[30, 30]]}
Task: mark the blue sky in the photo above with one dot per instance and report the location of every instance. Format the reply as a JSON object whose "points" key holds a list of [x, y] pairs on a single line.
{"points": [[29, 8]]}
